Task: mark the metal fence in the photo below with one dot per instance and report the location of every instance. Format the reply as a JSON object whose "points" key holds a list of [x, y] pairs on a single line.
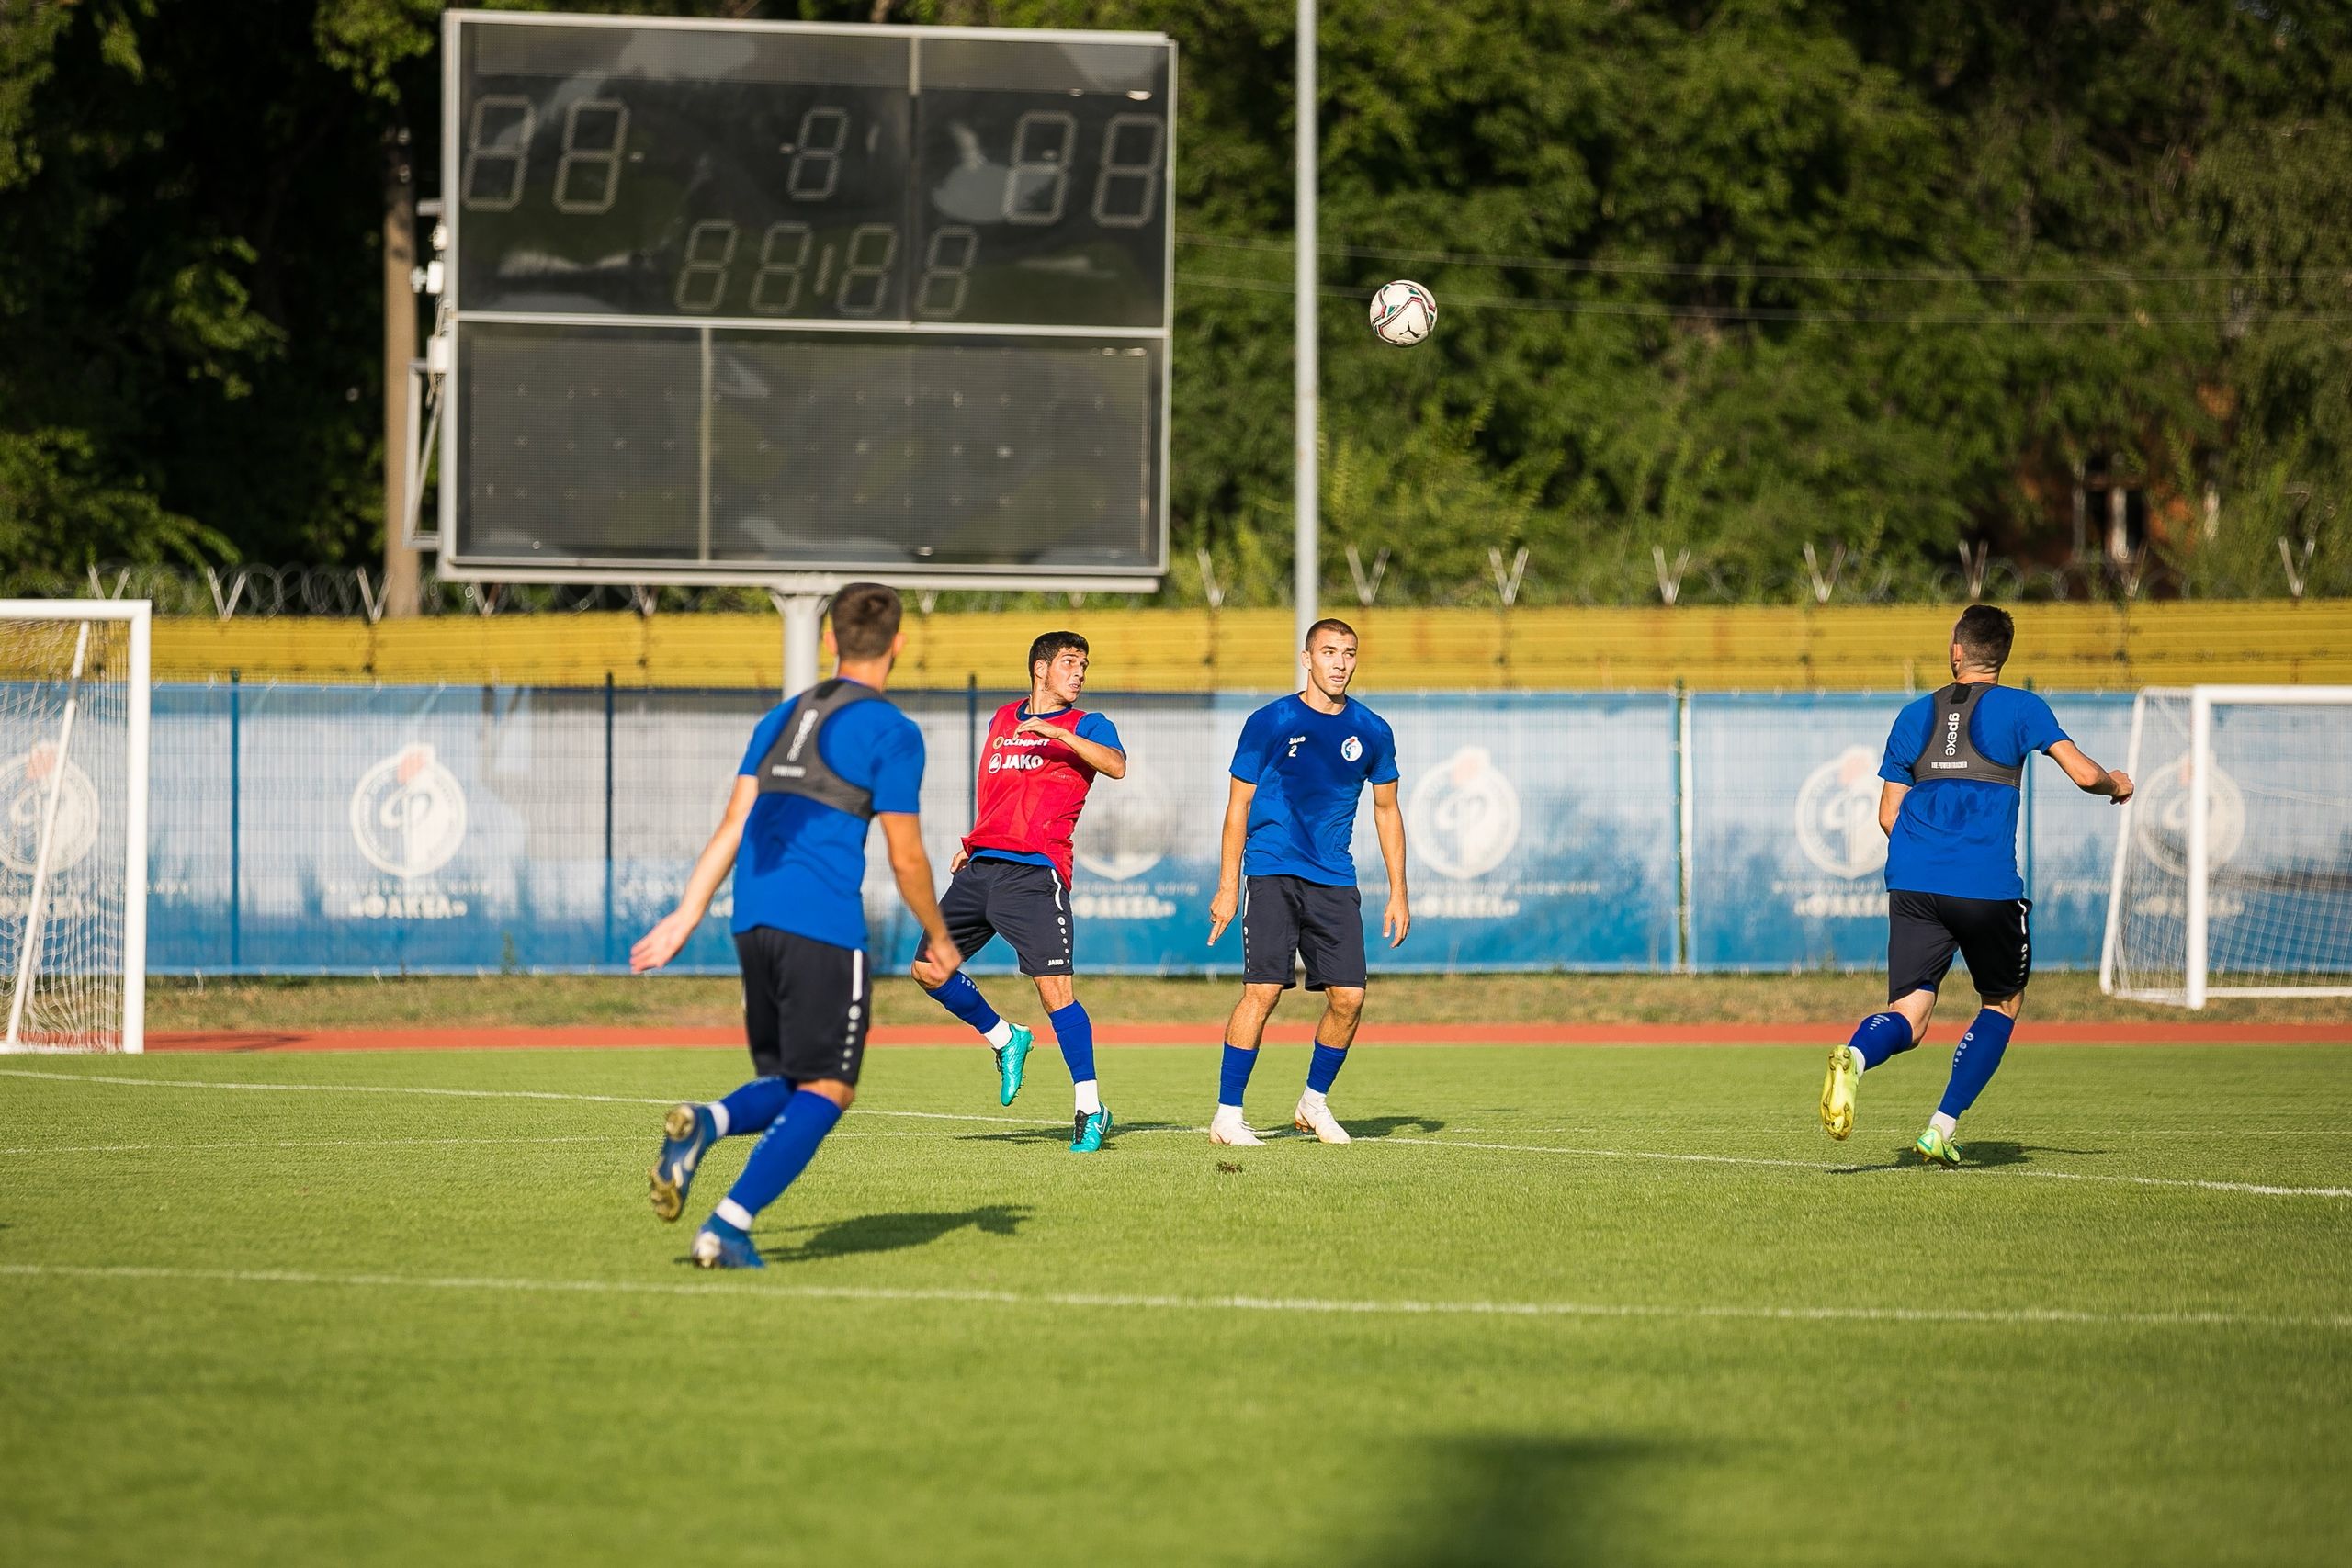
{"points": [[306, 830]]}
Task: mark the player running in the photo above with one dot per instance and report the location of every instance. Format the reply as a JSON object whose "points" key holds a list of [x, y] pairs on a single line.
{"points": [[819, 769], [1297, 775], [1954, 772], [1012, 875]]}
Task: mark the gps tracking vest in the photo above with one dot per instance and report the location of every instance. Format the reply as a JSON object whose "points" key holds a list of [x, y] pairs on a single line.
{"points": [[795, 766], [1031, 790], [1950, 753]]}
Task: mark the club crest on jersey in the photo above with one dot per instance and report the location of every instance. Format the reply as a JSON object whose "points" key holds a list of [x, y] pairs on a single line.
{"points": [[1837, 816], [1351, 749]]}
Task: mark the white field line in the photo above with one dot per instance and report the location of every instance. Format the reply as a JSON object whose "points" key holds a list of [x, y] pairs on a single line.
{"points": [[713, 1291], [297, 1144], [1749, 1161]]}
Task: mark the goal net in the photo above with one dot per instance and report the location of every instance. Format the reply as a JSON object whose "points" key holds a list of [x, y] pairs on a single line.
{"points": [[2234, 870], [72, 824]]}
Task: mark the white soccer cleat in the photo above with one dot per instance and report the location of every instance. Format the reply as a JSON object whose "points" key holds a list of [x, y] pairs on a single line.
{"points": [[1314, 1116], [1229, 1129]]}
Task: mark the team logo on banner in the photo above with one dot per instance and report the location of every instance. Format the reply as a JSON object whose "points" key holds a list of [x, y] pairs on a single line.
{"points": [[408, 814], [1464, 814], [1125, 832], [1838, 815], [2160, 817], [26, 782]]}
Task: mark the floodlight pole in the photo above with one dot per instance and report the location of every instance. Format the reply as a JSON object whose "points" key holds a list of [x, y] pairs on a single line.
{"points": [[1306, 546]]}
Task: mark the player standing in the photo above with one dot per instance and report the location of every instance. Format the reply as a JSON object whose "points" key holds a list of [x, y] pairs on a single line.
{"points": [[819, 769], [1297, 775], [1955, 771], [1012, 875]]}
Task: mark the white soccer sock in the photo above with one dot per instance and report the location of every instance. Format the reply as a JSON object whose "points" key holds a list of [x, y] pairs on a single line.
{"points": [[1313, 1101], [1945, 1125], [1090, 1096], [1228, 1112], [718, 1120], [1001, 1036], [734, 1214]]}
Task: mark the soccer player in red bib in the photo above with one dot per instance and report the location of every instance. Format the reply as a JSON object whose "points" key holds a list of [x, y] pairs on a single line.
{"points": [[1011, 878]]}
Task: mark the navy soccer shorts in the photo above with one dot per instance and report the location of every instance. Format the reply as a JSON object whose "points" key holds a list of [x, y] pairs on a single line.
{"points": [[806, 1005], [1924, 929], [1282, 917], [1021, 902]]}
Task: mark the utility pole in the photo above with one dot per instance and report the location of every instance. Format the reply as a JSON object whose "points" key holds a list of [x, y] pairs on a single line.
{"points": [[399, 347], [1306, 571]]}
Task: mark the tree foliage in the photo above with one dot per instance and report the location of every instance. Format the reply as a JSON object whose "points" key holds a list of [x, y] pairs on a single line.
{"points": [[1726, 278]]}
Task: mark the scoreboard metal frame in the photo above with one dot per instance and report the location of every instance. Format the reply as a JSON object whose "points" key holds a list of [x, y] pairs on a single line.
{"points": [[798, 575]]}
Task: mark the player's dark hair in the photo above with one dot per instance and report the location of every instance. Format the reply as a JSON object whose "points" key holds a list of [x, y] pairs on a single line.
{"points": [[1329, 622], [1049, 648], [866, 620], [1984, 633]]}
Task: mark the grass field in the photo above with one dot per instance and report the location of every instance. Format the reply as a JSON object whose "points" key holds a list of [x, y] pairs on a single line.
{"points": [[1556, 1305]]}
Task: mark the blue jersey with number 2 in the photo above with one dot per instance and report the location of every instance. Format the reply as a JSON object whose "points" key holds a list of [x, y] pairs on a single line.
{"points": [[1310, 769]]}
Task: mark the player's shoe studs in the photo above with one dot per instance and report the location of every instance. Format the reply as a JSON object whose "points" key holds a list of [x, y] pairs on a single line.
{"points": [[721, 1246], [1314, 1116], [1088, 1131], [688, 1133], [1233, 1133], [1838, 1091], [1012, 1062], [1936, 1149]]}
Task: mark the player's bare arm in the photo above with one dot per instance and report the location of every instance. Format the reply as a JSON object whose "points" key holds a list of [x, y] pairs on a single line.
{"points": [[1388, 821], [660, 944], [1228, 901], [1890, 805], [2088, 776], [1108, 760], [910, 864]]}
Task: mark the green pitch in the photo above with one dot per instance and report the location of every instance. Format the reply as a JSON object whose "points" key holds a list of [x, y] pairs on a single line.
{"points": [[1576, 1305]]}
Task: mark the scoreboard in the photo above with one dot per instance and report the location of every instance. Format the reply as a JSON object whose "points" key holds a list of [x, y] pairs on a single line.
{"points": [[730, 299]]}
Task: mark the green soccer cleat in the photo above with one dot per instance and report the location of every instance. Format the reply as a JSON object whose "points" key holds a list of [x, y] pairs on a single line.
{"points": [[1936, 1149], [1012, 1062], [1838, 1091], [1089, 1129]]}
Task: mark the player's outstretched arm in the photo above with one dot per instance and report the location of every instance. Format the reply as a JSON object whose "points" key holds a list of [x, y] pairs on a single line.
{"points": [[1389, 823], [2088, 776], [660, 944], [1227, 902], [910, 864], [1889, 805]]}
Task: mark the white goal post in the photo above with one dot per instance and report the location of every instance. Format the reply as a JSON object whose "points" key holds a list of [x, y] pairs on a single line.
{"points": [[73, 741], [2233, 868]]}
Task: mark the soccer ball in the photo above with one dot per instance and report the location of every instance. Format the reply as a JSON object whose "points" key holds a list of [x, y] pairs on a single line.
{"points": [[1403, 313]]}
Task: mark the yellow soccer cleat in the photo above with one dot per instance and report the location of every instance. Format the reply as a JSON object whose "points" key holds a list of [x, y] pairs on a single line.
{"points": [[1838, 1092], [1936, 1149]]}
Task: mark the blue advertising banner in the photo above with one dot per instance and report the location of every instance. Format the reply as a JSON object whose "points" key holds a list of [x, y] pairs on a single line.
{"points": [[465, 830], [1788, 862]]}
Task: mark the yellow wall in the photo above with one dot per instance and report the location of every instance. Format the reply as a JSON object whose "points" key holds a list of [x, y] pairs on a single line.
{"points": [[1743, 646]]}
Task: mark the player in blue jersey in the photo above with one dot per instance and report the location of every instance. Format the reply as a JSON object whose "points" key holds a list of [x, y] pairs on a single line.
{"points": [[1954, 774], [1298, 773], [818, 770]]}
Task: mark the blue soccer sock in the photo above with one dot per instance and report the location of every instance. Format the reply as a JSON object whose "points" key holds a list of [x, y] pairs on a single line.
{"points": [[780, 1155], [1881, 1035], [963, 999], [1325, 1066], [1233, 1075], [751, 1109], [1976, 1061], [1075, 1032]]}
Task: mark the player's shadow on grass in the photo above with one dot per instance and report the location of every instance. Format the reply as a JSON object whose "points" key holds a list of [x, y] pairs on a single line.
{"points": [[1504, 1502], [891, 1232], [1976, 1155], [1364, 1127], [1061, 1134]]}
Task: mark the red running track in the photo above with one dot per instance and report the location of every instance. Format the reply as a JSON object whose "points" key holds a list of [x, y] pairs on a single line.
{"points": [[606, 1037]]}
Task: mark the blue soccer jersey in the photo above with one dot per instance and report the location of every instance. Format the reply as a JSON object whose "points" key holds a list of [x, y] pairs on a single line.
{"points": [[1959, 837], [1310, 769], [802, 863]]}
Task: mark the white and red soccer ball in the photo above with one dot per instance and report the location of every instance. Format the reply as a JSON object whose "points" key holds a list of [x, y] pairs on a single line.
{"points": [[1403, 313]]}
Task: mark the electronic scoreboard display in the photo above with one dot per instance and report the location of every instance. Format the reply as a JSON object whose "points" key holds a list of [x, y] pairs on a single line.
{"points": [[729, 298]]}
